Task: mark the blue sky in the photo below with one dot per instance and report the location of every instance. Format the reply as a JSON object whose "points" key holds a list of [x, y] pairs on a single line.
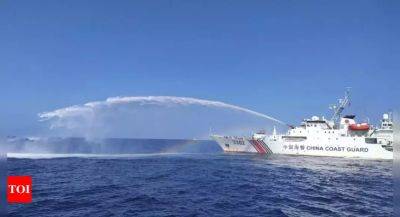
{"points": [[288, 59]]}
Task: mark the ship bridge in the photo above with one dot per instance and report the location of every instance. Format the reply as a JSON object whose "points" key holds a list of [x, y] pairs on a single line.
{"points": [[316, 122]]}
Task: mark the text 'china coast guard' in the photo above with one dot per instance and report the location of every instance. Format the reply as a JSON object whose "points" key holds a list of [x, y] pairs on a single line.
{"points": [[340, 136]]}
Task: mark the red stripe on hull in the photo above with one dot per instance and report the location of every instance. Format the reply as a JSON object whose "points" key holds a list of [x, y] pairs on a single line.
{"points": [[259, 147], [254, 145], [264, 151]]}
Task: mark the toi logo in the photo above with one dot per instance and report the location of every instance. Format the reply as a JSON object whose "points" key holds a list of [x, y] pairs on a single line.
{"points": [[19, 189]]}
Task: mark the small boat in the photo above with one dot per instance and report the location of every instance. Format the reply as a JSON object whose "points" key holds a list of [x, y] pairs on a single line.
{"points": [[359, 127]]}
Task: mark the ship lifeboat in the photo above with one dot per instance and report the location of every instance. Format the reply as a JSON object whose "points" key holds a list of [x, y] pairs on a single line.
{"points": [[359, 127]]}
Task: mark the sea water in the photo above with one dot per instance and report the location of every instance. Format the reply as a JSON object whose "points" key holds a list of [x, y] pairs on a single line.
{"points": [[204, 182]]}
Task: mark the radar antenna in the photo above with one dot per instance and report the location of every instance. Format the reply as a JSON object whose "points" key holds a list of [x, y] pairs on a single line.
{"points": [[338, 108]]}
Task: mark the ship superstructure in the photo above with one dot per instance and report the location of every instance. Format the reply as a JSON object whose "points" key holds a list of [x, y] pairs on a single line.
{"points": [[340, 136], [384, 133]]}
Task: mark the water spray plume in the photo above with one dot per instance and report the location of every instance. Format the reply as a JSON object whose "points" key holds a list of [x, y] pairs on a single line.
{"points": [[89, 108]]}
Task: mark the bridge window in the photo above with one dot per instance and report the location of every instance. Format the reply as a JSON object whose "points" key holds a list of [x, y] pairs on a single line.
{"points": [[371, 140]]}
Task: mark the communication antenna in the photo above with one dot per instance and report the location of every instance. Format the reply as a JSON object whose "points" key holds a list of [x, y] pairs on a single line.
{"points": [[390, 114], [338, 108]]}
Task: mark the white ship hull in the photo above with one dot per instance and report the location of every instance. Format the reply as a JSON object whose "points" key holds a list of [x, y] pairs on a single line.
{"points": [[337, 137], [352, 147]]}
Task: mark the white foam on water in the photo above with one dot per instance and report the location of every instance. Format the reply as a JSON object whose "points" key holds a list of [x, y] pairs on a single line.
{"points": [[107, 156]]}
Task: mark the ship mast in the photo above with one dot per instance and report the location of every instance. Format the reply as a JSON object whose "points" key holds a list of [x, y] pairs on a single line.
{"points": [[338, 109]]}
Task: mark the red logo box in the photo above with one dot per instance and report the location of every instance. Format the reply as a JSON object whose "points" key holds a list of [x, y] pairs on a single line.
{"points": [[19, 189]]}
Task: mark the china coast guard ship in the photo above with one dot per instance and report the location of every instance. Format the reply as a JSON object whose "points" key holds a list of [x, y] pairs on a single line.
{"points": [[317, 136]]}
